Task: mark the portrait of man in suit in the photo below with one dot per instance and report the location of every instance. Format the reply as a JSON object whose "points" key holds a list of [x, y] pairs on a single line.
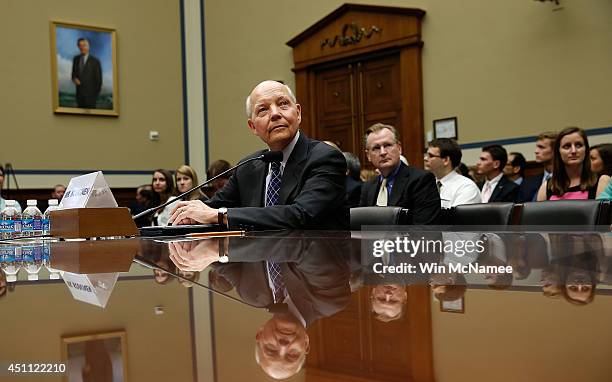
{"points": [[86, 75], [84, 69]]}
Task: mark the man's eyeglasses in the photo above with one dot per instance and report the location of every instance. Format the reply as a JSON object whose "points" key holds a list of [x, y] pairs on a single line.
{"points": [[430, 155]]}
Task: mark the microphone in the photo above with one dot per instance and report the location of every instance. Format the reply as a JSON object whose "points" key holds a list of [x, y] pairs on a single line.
{"points": [[267, 157]]}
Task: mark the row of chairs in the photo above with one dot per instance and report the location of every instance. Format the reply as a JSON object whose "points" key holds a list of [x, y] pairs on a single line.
{"points": [[583, 213]]}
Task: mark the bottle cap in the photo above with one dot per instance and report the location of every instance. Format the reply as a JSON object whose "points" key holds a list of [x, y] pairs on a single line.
{"points": [[54, 275], [32, 202], [53, 202], [11, 278], [33, 277], [10, 203]]}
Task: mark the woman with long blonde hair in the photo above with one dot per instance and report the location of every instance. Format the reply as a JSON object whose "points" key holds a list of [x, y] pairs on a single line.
{"points": [[186, 178]]}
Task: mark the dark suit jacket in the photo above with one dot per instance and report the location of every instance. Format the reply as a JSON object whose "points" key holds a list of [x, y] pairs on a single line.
{"points": [[90, 77], [529, 188], [314, 272], [414, 189], [353, 191], [312, 193], [505, 191]]}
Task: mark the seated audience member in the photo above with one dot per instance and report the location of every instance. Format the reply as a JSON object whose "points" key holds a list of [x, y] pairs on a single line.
{"points": [[601, 159], [144, 200], [216, 168], [353, 182], [462, 169], [398, 184], [304, 191], [528, 191], [515, 167], [58, 192], [2, 200], [607, 192], [186, 178], [163, 189], [474, 175], [366, 175], [441, 157], [497, 187], [572, 177]]}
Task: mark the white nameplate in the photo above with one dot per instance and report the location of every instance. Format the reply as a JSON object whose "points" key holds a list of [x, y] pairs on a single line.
{"points": [[88, 191]]}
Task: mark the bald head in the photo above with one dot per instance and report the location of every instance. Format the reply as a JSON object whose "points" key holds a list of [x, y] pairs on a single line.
{"points": [[264, 85]]}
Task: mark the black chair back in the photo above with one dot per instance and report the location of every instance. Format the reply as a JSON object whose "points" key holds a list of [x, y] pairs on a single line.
{"points": [[361, 216], [482, 214], [562, 213]]}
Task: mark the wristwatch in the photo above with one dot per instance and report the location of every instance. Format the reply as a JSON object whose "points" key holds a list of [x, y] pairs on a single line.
{"points": [[221, 216]]}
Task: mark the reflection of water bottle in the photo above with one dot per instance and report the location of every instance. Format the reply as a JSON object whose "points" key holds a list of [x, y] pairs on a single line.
{"points": [[31, 220], [46, 216], [10, 221], [54, 274], [10, 261], [32, 256]]}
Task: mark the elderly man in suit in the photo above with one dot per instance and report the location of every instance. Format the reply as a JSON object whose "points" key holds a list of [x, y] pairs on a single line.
{"points": [[497, 187], [305, 191], [86, 75], [398, 184]]}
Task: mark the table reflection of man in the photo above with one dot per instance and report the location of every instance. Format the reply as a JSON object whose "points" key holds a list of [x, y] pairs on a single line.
{"points": [[298, 279], [86, 75], [388, 302]]}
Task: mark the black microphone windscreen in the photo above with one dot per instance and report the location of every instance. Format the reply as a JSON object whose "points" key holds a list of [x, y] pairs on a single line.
{"points": [[272, 156]]}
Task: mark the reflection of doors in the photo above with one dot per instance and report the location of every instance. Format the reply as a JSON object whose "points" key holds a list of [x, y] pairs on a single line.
{"points": [[353, 346], [351, 97]]}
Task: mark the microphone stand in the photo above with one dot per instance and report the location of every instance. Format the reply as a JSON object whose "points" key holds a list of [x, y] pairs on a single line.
{"points": [[152, 209]]}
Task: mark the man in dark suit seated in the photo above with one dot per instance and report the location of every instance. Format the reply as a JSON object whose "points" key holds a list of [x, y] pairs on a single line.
{"points": [[497, 187], [544, 156], [306, 190], [398, 184]]}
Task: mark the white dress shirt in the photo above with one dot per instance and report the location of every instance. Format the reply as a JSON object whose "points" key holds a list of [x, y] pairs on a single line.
{"points": [[457, 189], [492, 184]]}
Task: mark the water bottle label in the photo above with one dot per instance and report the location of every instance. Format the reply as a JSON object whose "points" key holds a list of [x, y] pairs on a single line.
{"points": [[45, 225], [7, 253], [37, 224], [46, 252], [27, 253], [7, 226], [27, 225]]}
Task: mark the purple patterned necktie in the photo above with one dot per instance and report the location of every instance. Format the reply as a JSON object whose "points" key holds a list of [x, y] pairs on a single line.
{"points": [[274, 185]]}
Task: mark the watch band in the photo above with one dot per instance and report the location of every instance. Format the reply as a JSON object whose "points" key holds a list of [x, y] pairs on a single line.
{"points": [[222, 213]]}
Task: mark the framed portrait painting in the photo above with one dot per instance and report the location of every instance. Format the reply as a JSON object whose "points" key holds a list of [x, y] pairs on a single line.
{"points": [[84, 69], [95, 357]]}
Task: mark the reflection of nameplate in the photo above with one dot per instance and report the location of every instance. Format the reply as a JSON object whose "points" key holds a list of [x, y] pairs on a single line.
{"points": [[88, 191], [94, 256], [92, 289]]}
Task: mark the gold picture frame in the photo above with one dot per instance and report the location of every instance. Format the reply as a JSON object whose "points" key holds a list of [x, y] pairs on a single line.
{"points": [[455, 306], [84, 73], [97, 354]]}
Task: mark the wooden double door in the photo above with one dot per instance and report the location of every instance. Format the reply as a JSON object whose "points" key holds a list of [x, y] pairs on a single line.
{"points": [[350, 97]]}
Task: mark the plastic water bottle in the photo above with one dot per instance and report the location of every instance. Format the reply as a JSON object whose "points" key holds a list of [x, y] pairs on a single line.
{"points": [[46, 216], [32, 260], [31, 220], [54, 274], [10, 261], [10, 221]]}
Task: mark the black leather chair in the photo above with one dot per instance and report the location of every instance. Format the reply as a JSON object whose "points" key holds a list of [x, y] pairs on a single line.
{"points": [[361, 216], [563, 213], [482, 214]]}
